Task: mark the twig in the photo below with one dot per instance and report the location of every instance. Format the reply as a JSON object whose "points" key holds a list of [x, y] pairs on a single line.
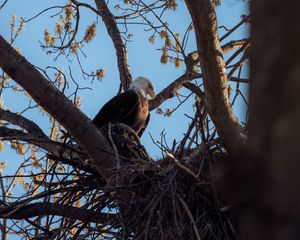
{"points": [[4, 225], [45, 10], [190, 215], [115, 151], [244, 19], [187, 134], [3, 4], [187, 170]]}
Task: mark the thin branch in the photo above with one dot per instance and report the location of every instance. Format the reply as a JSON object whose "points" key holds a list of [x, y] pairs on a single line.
{"points": [[78, 163], [185, 206], [3, 4], [184, 168], [183, 80], [195, 89], [56, 148], [240, 80], [58, 151], [244, 47], [191, 73], [81, 4], [74, 32], [239, 63], [226, 48], [115, 34], [42, 209], [40, 13], [4, 225], [244, 19], [170, 90], [16, 119]]}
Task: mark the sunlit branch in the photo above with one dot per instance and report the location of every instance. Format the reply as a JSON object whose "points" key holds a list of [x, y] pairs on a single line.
{"points": [[226, 48], [239, 63], [191, 73], [170, 90], [244, 47], [214, 75]]}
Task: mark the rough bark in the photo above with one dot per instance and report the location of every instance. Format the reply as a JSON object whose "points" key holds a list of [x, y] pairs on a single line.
{"points": [[269, 173], [214, 75], [57, 105]]}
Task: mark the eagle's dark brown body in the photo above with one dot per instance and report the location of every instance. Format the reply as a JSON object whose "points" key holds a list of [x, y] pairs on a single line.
{"points": [[130, 108]]}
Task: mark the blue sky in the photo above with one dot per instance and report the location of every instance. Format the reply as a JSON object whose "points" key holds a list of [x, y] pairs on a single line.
{"points": [[144, 60]]}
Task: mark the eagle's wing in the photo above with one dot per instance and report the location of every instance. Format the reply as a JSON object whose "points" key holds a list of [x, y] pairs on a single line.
{"points": [[121, 108], [146, 124]]}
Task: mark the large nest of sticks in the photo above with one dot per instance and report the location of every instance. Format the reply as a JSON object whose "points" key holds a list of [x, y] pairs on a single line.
{"points": [[172, 198]]}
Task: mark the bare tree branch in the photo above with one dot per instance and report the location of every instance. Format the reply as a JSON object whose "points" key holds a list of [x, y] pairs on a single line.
{"points": [[57, 105], [114, 33], [57, 151], [42, 209], [191, 64], [195, 89], [76, 163], [19, 135], [3, 4], [214, 75], [170, 90], [226, 48], [241, 80], [245, 19], [53, 147], [22, 122]]}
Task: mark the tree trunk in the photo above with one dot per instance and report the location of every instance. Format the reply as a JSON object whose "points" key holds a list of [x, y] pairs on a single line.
{"points": [[269, 173], [214, 75]]}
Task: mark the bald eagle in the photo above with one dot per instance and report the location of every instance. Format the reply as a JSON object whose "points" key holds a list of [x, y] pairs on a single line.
{"points": [[129, 107]]}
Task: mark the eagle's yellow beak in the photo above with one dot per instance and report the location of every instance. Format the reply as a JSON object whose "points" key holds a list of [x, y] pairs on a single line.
{"points": [[151, 93]]}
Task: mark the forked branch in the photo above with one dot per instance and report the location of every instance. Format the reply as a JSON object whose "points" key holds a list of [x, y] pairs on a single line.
{"points": [[214, 75]]}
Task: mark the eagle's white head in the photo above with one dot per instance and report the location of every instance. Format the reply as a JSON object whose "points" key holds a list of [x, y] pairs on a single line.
{"points": [[143, 86]]}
